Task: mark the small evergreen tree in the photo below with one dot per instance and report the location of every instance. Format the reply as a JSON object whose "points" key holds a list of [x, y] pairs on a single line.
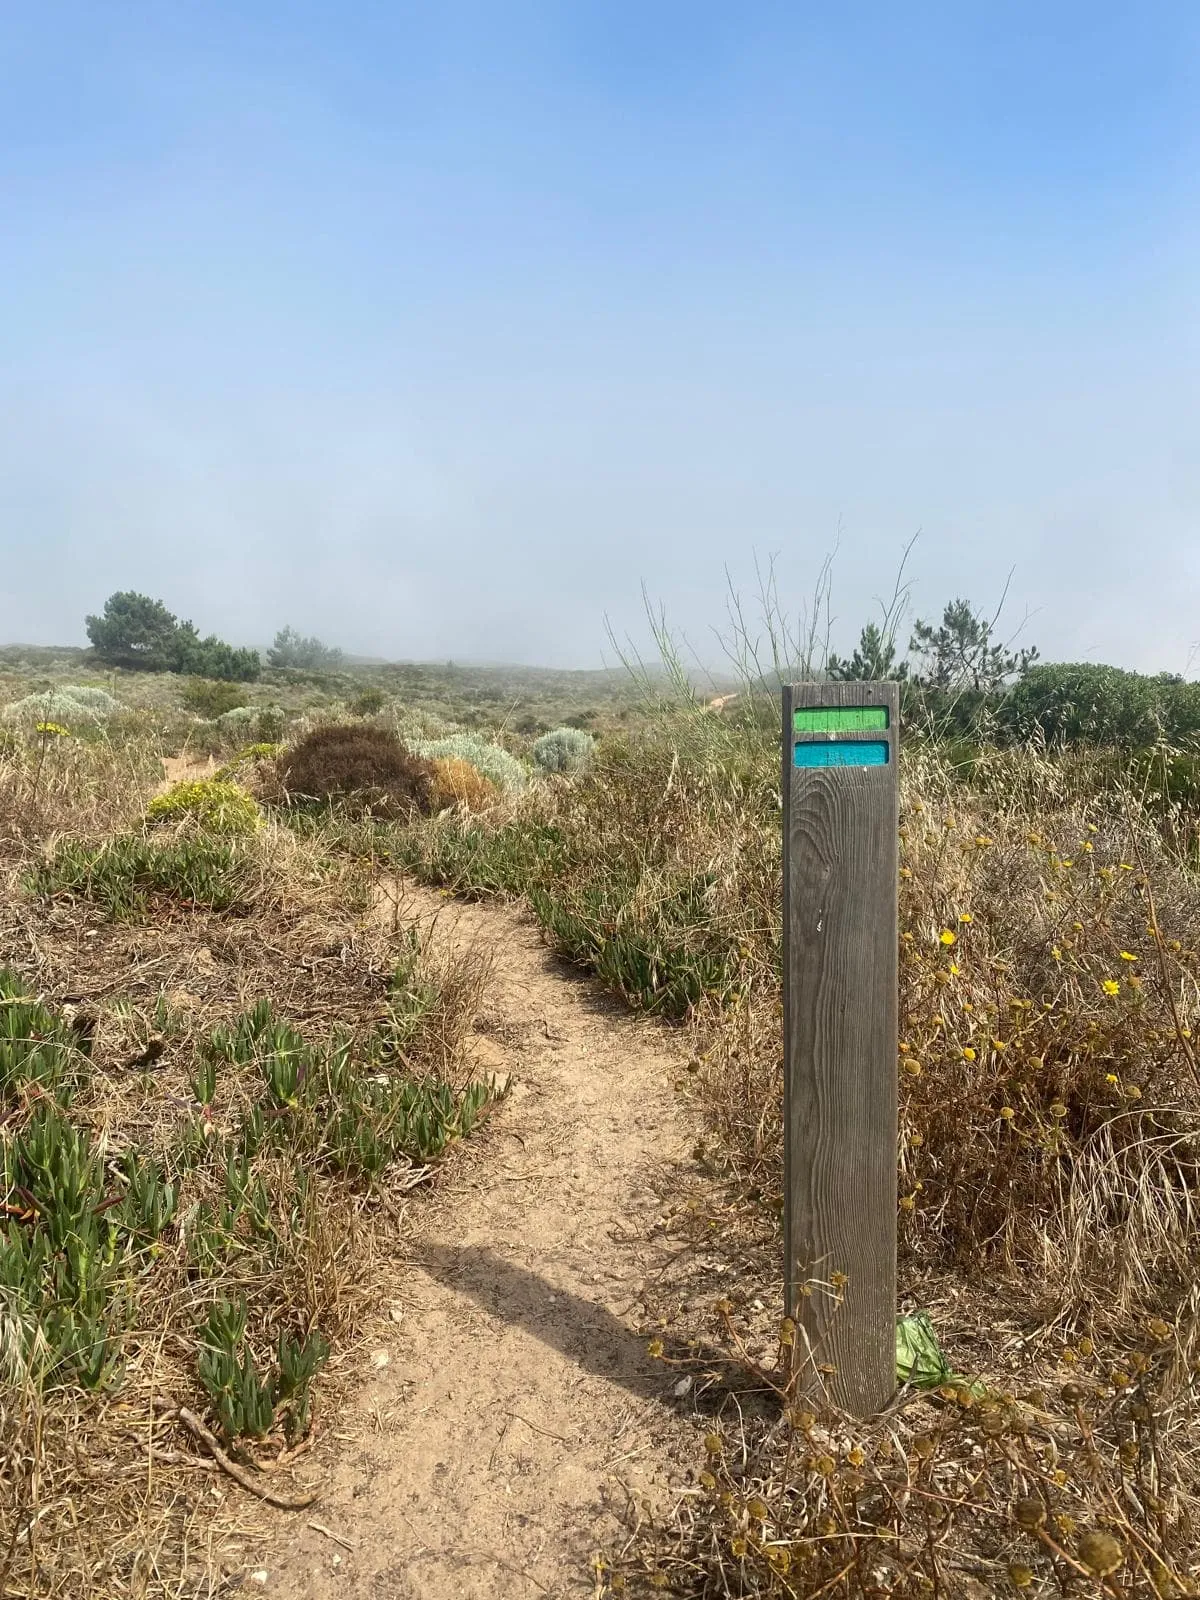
{"points": [[134, 631], [137, 632], [875, 658], [292, 649], [961, 652]]}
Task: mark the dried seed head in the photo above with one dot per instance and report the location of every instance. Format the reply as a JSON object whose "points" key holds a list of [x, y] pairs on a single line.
{"points": [[1100, 1553], [1029, 1513]]}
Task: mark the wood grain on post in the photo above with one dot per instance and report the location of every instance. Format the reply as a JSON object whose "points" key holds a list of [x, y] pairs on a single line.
{"points": [[840, 941]]}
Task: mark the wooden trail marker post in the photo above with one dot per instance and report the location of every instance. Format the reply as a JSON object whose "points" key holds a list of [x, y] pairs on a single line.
{"points": [[841, 803]]}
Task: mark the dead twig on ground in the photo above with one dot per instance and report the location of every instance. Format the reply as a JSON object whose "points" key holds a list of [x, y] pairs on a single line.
{"points": [[189, 1419]]}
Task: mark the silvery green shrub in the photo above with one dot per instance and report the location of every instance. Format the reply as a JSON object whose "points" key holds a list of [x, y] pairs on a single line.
{"points": [[491, 760], [51, 707], [95, 699], [563, 750], [411, 725]]}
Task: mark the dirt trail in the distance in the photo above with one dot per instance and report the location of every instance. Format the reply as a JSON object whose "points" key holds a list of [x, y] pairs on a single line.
{"points": [[512, 1408]]}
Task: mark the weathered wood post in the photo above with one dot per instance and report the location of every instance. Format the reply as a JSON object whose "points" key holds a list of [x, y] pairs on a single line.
{"points": [[840, 974]]}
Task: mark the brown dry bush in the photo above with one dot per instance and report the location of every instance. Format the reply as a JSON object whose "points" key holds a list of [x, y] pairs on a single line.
{"points": [[458, 783], [360, 764]]}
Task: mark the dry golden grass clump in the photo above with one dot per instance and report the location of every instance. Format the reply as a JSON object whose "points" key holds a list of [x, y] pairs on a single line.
{"points": [[458, 783], [359, 764]]}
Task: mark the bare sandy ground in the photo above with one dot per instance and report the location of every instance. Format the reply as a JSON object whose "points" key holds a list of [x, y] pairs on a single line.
{"points": [[512, 1416]]}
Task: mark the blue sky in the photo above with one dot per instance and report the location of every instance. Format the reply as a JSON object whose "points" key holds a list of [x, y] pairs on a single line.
{"points": [[439, 330]]}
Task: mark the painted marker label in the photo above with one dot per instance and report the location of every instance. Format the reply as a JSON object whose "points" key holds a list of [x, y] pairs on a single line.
{"points": [[857, 753], [840, 719]]}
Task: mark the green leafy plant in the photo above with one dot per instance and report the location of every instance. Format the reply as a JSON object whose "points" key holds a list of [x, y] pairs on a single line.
{"points": [[215, 804], [125, 873], [36, 1045], [351, 1111], [204, 1080], [298, 1361], [246, 1400], [242, 1397], [151, 1202], [60, 1253], [210, 697]]}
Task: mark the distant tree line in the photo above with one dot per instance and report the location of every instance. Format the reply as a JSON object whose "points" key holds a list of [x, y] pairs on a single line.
{"points": [[140, 634], [965, 681]]}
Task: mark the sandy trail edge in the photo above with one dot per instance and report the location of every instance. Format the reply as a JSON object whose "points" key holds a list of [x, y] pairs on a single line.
{"points": [[518, 1409]]}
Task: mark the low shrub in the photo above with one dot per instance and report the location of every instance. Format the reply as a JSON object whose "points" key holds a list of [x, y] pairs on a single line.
{"points": [[252, 756], [563, 750], [213, 803], [94, 698], [212, 697], [492, 760], [52, 707], [369, 703], [264, 724], [360, 764], [126, 873], [1087, 703], [458, 783]]}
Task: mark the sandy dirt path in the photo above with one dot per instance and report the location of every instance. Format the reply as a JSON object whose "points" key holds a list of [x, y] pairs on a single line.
{"points": [[496, 1450]]}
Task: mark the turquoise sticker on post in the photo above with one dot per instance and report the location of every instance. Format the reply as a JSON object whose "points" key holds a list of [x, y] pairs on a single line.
{"points": [[856, 753]]}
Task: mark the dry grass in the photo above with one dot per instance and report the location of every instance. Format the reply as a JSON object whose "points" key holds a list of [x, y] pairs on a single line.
{"points": [[458, 783], [1050, 1107], [100, 1494]]}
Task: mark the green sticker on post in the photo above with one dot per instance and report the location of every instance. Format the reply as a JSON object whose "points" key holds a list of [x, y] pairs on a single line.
{"points": [[841, 719]]}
